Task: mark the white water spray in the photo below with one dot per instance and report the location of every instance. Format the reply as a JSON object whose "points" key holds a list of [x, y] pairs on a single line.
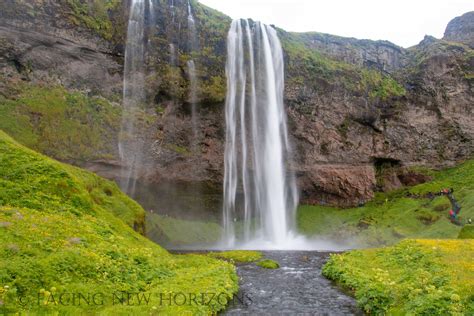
{"points": [[257, 147]]}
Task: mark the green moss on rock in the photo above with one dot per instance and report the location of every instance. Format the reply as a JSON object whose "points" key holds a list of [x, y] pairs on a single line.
{"points": [[94, 15], [305, 64], [62, 124]]}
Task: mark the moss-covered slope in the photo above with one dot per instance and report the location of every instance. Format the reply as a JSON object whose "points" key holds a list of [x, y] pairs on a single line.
{"points": [[65, 231], [59, 123]]}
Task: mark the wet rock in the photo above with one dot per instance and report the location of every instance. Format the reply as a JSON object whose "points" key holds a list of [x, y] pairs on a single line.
{"points": [[411, 178], [343, 185]]}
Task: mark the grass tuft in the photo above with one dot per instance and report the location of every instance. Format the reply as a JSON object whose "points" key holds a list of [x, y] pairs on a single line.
{"points": [[268, 264]]}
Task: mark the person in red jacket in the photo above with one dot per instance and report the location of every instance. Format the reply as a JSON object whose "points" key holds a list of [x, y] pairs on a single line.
{"points": [[455, 207]]}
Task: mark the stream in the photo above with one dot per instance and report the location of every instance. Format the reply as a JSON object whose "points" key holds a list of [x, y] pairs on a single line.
{"points": [[296, 288]]}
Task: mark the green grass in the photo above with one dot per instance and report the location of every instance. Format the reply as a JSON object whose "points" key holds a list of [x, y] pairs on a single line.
{"points": [[268, 264], [30, 180], [179, 232], [467, 232], [414, 277], [393, 216], [65, 230], [240, 256], [61, 124]]}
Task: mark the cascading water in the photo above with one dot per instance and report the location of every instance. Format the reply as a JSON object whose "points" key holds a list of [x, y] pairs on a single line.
{"points": [[193, 98], [152, 9], [133, 95], [130, 146], [193, 83], [172, 38], [191, 29], [172, 53], [257, 147]]}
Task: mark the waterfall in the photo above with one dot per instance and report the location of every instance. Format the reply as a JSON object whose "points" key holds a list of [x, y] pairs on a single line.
{"points": [[191, 28], [193, 98], [130, 147], [152, 9], [193, 82], [259, 191], [172, 53], [130, 150]]}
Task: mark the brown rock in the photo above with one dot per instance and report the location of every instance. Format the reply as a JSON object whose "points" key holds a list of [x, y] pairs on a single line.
{"points": [[343, 185], [411, 178]]}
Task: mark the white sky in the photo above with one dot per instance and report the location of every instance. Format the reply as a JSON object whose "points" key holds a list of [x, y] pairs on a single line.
{"points": [[403, 22]]}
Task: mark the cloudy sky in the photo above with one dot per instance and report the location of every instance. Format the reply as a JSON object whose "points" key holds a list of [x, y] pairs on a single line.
{"points": [[403, 22]]}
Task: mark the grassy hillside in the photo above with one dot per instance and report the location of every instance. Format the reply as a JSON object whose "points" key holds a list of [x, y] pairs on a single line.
{"points": [[414, 277], [65, 232], [396, 215], [180, 232]]}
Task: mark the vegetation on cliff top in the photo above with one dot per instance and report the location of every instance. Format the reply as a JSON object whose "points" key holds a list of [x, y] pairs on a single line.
{"points": [[66, 231], [305, 64], [416, 277], [399, 214]]}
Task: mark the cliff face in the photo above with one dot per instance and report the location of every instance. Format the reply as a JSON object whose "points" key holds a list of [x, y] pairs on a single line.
{"points": [[355, 107], [461, 29]]}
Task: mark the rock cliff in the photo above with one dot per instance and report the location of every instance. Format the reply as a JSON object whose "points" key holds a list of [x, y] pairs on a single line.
{"points": [[355, 107]]}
